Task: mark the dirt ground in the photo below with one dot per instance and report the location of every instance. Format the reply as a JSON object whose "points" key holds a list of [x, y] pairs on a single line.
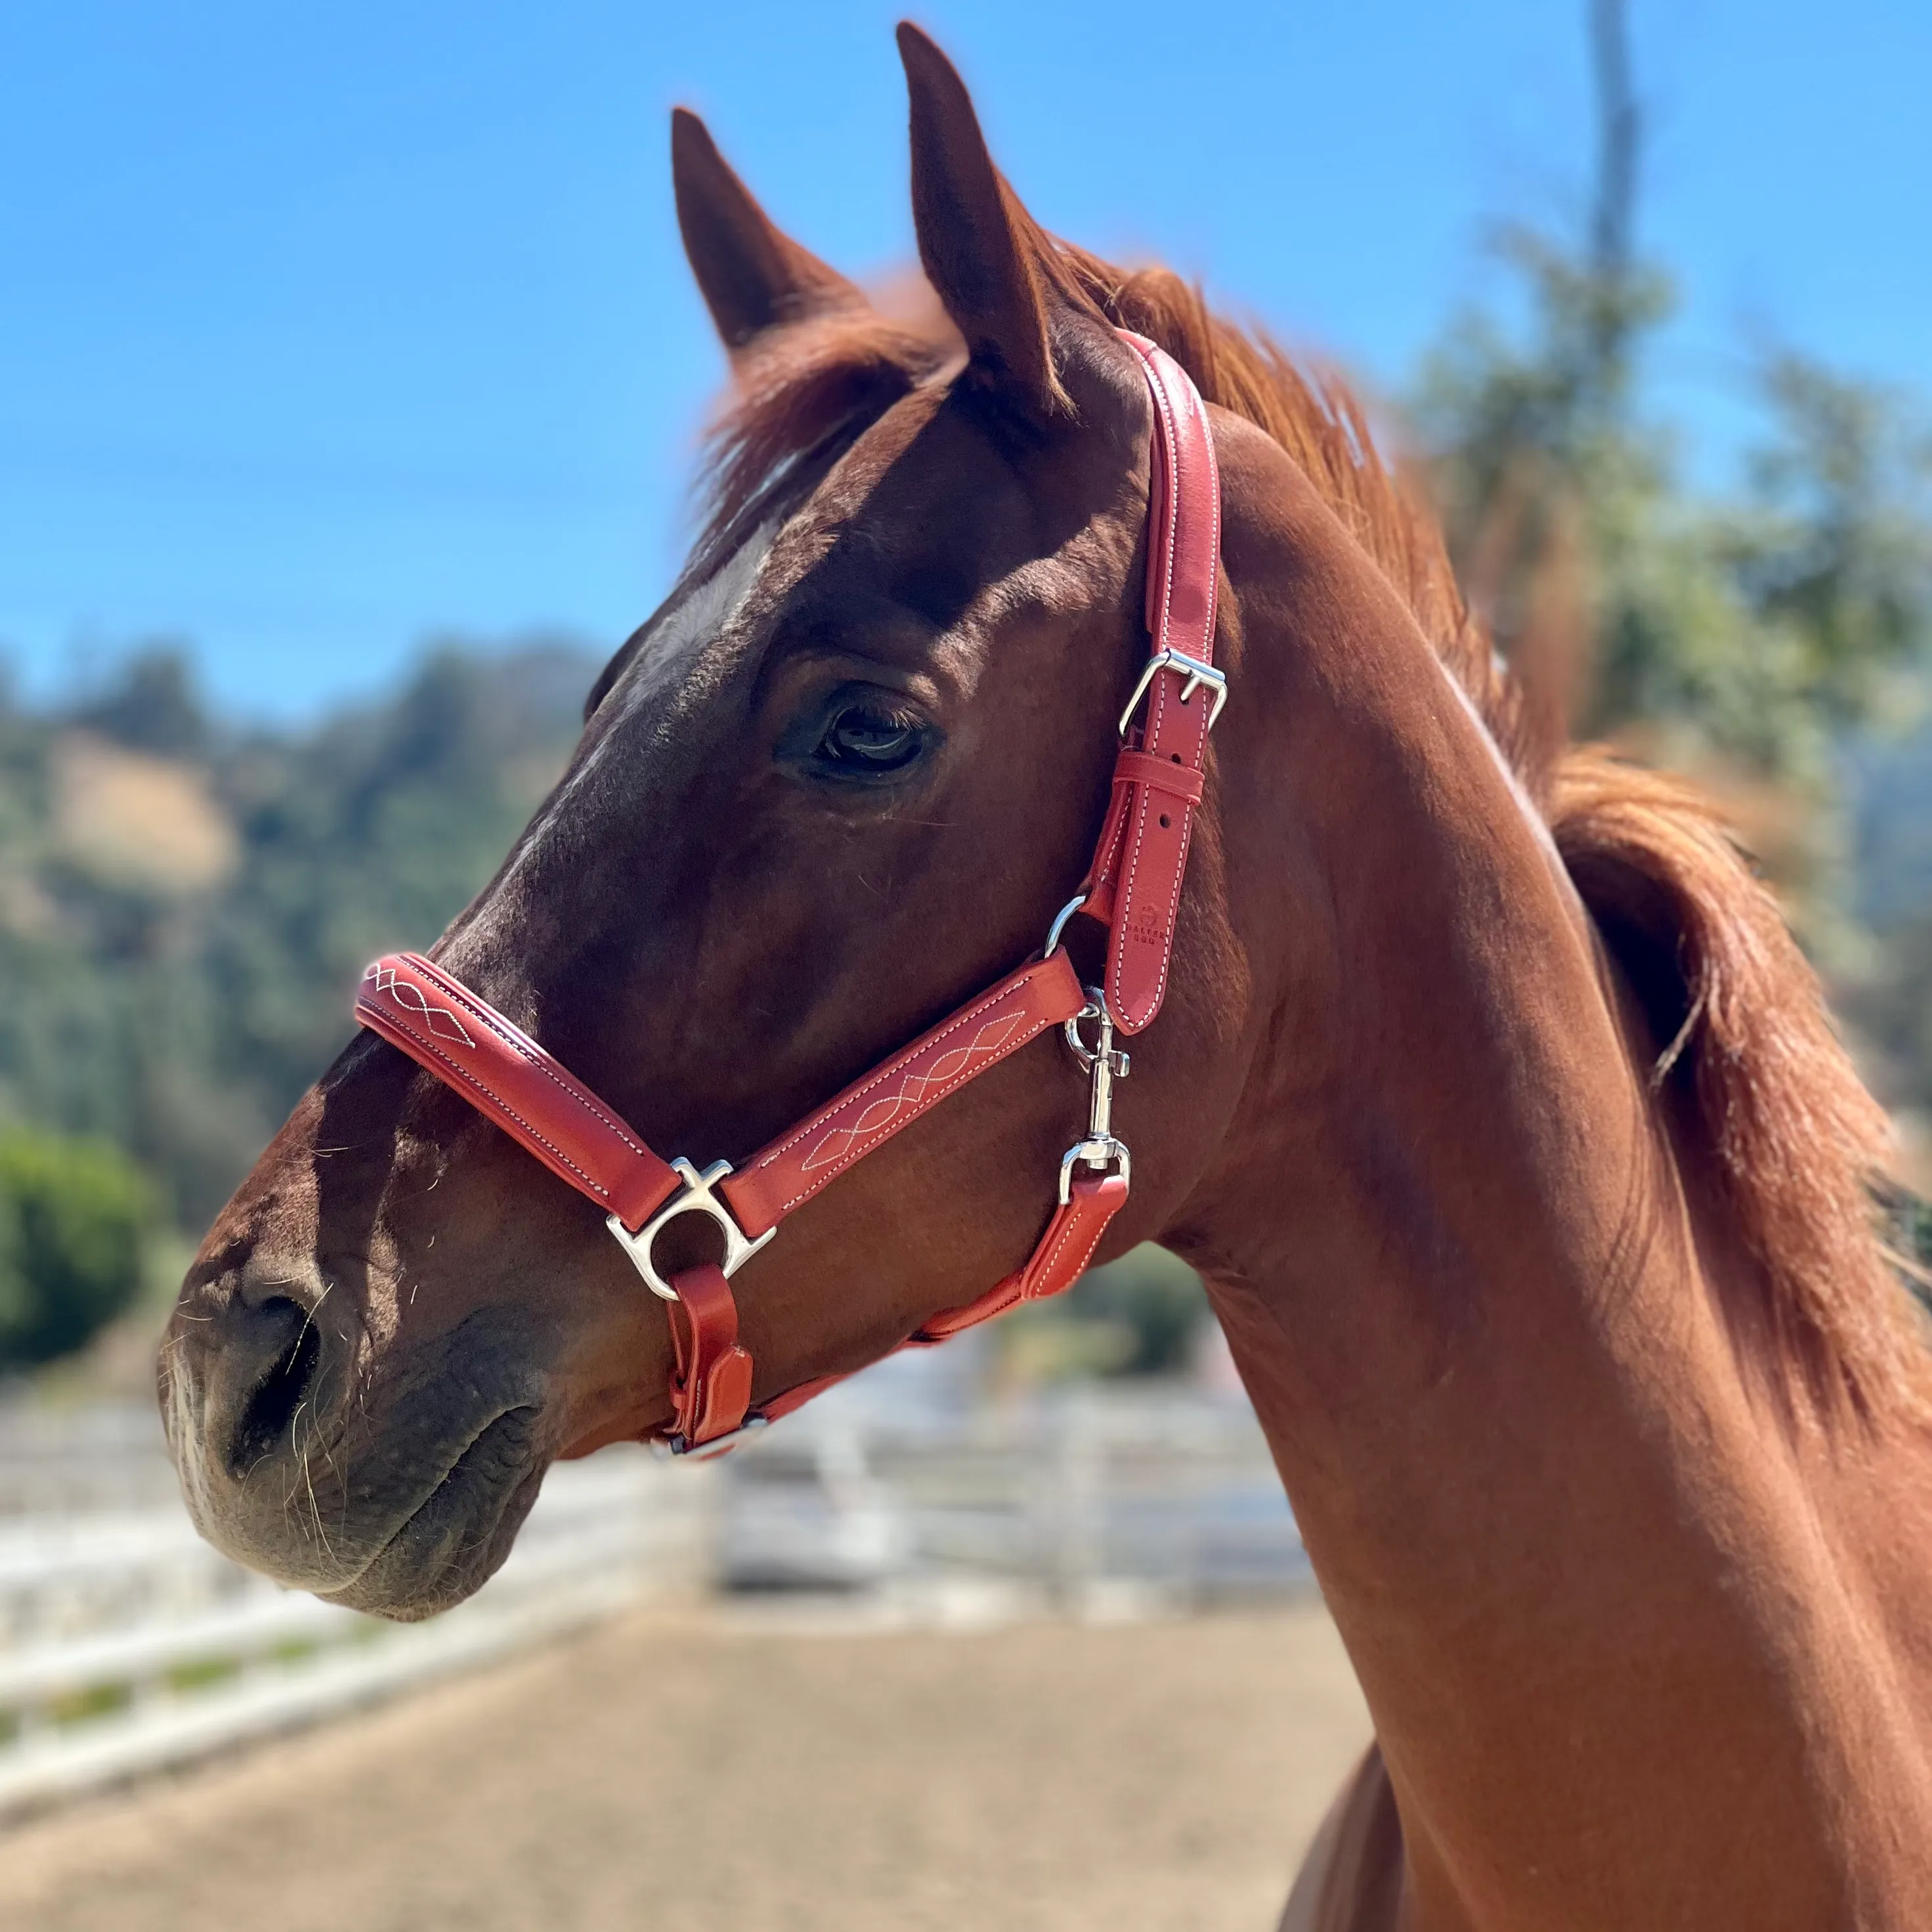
{"points": [[694, 1776]]}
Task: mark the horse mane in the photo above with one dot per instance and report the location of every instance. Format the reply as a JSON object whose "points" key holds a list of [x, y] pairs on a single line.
{"points": [[1760, 1078]]}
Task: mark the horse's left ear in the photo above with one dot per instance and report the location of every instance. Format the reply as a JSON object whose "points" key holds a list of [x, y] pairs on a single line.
{"points": [[988, 261], [754, 277]]}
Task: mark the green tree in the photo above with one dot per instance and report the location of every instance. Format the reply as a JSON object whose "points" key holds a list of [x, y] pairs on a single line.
{"points": [[1138, 1315], [1151, 1302], [74, 1217], [1760, 626]]}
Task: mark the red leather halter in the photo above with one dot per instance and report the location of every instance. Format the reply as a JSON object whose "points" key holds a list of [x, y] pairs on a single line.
{"points": [[1133, 888]]}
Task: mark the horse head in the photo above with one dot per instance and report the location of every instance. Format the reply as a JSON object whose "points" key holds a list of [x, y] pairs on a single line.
{"points": [[840, 780]]}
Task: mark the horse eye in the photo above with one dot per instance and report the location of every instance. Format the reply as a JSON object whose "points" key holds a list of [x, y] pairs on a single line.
{"points": [[861, 743]]}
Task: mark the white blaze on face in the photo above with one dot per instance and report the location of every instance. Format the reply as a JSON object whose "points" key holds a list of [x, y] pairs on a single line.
{"points": [[680, 636], [667, 658]]}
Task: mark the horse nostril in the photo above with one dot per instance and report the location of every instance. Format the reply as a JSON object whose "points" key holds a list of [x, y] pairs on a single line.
{"points": [[270, 1410]]}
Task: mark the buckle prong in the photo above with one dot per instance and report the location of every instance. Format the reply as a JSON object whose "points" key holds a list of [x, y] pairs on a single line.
{"points": [[1196, 674]]}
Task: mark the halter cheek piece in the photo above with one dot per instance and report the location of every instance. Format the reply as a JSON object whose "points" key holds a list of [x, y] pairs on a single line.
{"points": [[1133, 888]]}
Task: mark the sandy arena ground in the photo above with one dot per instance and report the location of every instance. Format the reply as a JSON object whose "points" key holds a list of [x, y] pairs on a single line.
{"points": [[698, 1776]]}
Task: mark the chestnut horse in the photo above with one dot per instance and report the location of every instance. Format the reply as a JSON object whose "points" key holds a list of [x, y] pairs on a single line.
{"points": [[1491, 1099]]}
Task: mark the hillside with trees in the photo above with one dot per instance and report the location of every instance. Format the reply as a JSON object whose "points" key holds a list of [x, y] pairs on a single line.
{"points": [[185, 904]]}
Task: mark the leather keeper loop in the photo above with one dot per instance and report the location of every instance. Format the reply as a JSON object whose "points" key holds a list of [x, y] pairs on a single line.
{"points": [[712, 1390], [1168, 776]]}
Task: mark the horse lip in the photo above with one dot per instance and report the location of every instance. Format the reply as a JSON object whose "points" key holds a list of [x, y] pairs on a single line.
{"points": [[439, 1576]]}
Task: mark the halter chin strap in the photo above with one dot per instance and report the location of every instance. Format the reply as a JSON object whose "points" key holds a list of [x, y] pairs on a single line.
{"points": [[1133, 888]]}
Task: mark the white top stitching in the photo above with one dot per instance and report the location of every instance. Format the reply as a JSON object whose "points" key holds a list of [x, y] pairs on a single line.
{"points": [[509, 1113], [486, 1016], [812, 1123]]}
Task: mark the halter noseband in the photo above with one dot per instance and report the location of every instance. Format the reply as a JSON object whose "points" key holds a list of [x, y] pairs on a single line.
{"points": [[1133, 888]]}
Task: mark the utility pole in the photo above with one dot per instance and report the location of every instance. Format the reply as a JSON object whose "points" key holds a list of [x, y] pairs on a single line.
{"points": [[1613, 209]]}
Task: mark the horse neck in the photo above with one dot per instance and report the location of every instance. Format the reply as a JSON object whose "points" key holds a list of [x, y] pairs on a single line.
{"points": [[1465, 1281]]}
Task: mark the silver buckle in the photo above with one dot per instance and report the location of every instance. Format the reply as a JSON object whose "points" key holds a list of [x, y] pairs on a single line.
{"points": [[1197, 674], [1104, 1152], [676, 1446], [695, 1197], [1105, 1063]]}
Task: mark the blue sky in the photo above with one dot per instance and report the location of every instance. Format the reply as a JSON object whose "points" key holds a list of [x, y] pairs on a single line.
{"points": [[327, 328]]}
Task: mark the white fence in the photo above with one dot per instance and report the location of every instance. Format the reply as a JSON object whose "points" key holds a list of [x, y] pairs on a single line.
{"points": [[127, 1644], [106, 1458], [1117, 1496]]}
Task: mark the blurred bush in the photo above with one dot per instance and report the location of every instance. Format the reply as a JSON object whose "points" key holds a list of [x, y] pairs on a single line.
{"points": [[1152, 1300], [1140, 1315], [1758, 624], [74, 1219]]}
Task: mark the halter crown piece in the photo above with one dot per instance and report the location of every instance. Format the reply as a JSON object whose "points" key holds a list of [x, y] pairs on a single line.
{"points": [[1133, 888]]}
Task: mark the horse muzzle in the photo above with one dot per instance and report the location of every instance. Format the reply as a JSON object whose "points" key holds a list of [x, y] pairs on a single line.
{"points": [[393, 1480]]}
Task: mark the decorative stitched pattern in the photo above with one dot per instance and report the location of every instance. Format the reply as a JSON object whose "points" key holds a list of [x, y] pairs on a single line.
{"points": [[878, 1114], [532, 1055], [488, 1102], [384, 980]]}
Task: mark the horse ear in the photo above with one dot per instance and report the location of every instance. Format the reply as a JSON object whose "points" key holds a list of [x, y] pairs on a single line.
{"points": [[753, 277], [987, 260]]}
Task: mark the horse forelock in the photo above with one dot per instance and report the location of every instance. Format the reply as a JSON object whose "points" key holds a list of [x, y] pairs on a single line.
{"points": [[799, 396]]}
